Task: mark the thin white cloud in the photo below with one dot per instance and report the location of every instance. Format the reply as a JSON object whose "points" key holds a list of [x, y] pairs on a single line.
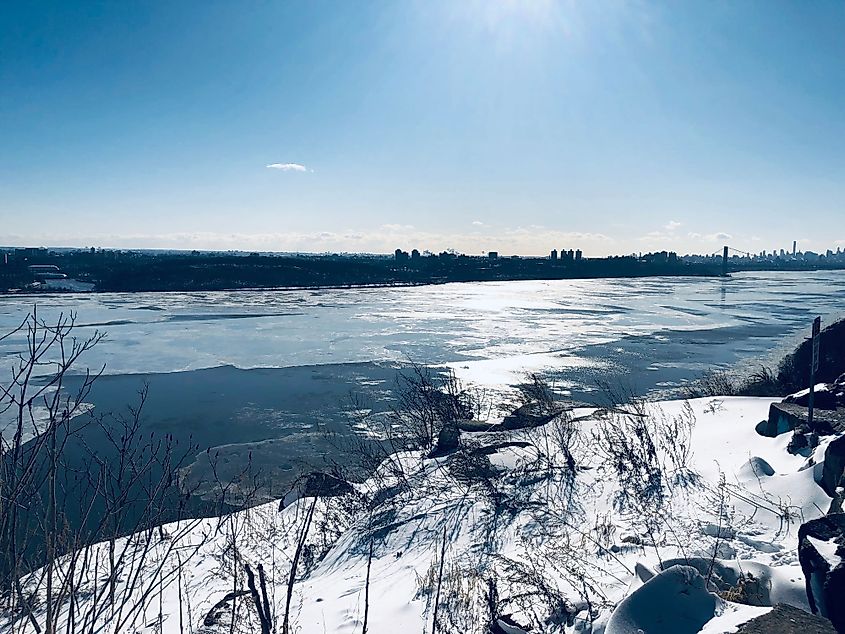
{"points": [[669, 239], [288, 167], [477, 223], [665, 235], [398, 227], [712, 237]]}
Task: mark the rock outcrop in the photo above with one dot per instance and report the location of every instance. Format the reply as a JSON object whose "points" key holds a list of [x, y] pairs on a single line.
{"points": [[791, 414], [821, 551]]}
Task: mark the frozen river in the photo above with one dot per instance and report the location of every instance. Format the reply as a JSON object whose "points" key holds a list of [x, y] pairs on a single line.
{"points": [[488, 330], [261, 370]]}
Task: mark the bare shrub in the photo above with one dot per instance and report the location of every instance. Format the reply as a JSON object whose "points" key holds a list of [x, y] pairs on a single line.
{"points": [[428, 402], [455, 596], [761, 381], [94, 522], [747, 590], [648, 454], [537, 389]]}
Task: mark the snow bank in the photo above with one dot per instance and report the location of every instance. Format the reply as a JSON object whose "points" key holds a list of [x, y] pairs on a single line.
{"points": [[507, 532]]}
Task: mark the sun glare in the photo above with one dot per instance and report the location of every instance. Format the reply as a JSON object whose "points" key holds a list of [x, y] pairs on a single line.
{"points": [[506, 16]]}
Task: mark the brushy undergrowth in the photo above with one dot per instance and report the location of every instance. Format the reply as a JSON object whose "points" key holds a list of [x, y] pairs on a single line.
{"points": [[761, 382], [792, 372]]}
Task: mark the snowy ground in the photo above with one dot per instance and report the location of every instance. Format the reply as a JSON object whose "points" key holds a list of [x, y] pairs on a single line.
{"points": [[550, 528]]}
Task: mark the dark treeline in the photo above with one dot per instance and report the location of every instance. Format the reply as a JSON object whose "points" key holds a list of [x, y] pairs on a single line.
{"points": [[146, 271]]}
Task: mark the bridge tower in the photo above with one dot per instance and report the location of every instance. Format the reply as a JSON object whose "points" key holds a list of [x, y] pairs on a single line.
{"points": [[725, 262]]}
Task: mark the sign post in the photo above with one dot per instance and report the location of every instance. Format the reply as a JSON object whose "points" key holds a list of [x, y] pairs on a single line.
{"points": [[814, 366]]}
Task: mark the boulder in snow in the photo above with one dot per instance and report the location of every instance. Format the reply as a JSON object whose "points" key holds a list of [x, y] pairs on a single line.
{"points": [[675, 601], [315, 484], [642, 573], [531, 415], [756, 468], [748, 582], [448, 441]]}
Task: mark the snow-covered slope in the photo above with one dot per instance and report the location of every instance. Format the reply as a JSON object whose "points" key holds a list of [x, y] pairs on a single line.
{"points": [[547, 529]]}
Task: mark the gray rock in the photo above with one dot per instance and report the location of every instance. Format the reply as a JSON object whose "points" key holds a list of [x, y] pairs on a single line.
{"points": [[448, 440], [787, 619], [531, 415], [821, 550], [803, 441], [784, 417], [316, 484], [822, 399], [834, 466]]}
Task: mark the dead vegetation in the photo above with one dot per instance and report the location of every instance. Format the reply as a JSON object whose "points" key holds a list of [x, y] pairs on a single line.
{"points": [[533, 485]]}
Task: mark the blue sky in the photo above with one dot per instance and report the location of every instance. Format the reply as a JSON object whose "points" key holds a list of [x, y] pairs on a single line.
{"points": [[510, 125]]}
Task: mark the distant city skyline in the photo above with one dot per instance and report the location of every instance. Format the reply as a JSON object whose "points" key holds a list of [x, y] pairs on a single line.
{"points": [[485, 125], [422, 251]]}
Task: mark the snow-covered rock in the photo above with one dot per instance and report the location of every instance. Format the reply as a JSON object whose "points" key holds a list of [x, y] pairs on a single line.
{"points": [[675, 601]]}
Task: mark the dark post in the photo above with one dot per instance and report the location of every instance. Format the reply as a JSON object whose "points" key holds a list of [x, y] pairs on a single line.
{"points": [[814, 365], [725, 262]]}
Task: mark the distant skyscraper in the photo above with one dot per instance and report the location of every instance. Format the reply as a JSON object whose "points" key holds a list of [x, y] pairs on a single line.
{"points": [[794, 245], [553, 255]]}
